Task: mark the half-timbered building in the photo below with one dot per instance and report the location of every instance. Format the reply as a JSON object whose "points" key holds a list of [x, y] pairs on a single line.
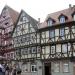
{"points": [[8, 19], [26, 43], [46, 48]]}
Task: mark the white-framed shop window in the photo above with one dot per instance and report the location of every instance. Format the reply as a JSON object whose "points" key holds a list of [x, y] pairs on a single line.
{"points": [[66, 67], [33, 68], [56, 67]]}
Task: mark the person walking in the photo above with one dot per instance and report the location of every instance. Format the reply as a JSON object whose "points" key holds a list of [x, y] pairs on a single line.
{"points": [[7, 70], [1, 67]]}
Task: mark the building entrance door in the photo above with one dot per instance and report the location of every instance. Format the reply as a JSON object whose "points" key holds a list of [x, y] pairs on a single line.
{"points": [[47, 68]]}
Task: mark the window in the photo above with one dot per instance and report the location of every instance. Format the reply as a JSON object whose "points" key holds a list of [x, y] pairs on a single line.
{"points": [[12, 55], [5, 42], [33, 68], [52, 49], [8, 55], [65, 67], [62, 32], [29, 50], [56, 67], [24, 18], [38, 49], [74, 17], [62, 19], [64, 48], [50, 22], [25, 67], [2, 31], [24, 51], [51, 33], [21, 19], [18, 52], [33, 49], [6, 23]]}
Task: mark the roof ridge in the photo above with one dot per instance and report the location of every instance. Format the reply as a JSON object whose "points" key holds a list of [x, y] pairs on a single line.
{"points": [[60, 10], [29, 15]]}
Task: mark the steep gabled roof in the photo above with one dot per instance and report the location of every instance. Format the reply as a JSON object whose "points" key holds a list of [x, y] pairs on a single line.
{"points": [[31, 19], [67, 12], [13, 14]]}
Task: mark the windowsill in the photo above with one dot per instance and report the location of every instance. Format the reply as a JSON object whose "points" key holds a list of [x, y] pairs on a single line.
{"points": [[33, 71], [57, 72], [66, 72]]}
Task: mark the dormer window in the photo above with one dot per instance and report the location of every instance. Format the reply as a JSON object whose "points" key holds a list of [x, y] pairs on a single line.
{"points": [[62, 19], [50, 22]]}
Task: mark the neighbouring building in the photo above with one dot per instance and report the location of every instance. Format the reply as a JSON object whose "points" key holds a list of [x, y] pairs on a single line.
{"points": [[8, 19], [46, 48]]}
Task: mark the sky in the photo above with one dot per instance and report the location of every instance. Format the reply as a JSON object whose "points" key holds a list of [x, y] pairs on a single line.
{"points": [[37, 8]]}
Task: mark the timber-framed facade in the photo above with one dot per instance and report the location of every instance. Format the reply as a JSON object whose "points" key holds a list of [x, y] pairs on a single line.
{"points": [[46, 48]]}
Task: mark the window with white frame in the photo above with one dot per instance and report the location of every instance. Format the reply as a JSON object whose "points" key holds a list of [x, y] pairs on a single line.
{"points": [[24, 51], [5, 42], [33, 49], [2, 31], [62, 32], [50, 22], [33, 68], [51, 34], [52, 49], [62, 19], [64, 48], [66, 67], [56, 67], [12, 55]]}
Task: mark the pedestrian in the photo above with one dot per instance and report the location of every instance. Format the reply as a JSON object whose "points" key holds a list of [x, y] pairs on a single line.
{"points": [[7, 70], [18, 71], [1, 67], [14, 71], [10, 70]]}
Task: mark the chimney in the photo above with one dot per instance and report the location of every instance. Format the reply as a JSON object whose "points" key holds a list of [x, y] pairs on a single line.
{"points": [[70, 5], [38, 20], [73, 5]]}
